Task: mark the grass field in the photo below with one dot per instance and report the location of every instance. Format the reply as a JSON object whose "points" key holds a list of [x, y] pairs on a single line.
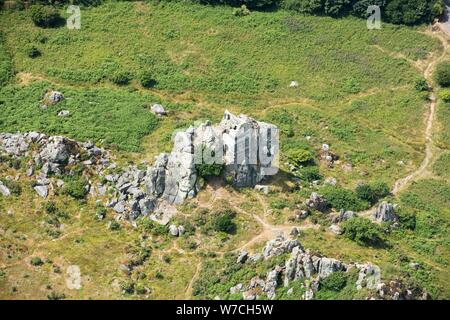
{"points": [[356, 93]]}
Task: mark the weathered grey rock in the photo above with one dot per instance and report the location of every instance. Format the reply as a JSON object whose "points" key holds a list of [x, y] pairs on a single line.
{"points": [[278, 246], [147, 205], [181, 230], [336, 229], [272, 282], [42, 191], [255, 257], [57, 150], [4, 190], [369, 276], [385, 213], [158, 109], [236, 289], [173, 230], [327, 266], [119, 207], [242, 257], [331, 181]]}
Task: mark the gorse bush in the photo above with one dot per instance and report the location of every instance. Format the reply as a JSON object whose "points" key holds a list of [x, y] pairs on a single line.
{"points": [[147, 79]]}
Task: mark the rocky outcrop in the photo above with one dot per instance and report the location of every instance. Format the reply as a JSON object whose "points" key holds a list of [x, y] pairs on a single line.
{"points": [[158, 109], [278, 246], [385, 213]]}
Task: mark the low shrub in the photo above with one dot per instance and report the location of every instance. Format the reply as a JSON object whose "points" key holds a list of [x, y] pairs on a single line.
{"points": [[222, 221], [442, 74], [76, 188], [334, 282], [363, 231], [147, 79], [444, 94], [340, 198], [45, 16], [372, 192], [121, 77], [310, 173], [299, 157], [36, 261]]}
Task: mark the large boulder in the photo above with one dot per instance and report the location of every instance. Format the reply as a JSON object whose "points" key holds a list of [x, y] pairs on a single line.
{"points": [[385, 213]]}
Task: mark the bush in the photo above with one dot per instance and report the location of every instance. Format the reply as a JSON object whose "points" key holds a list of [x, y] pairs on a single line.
{"points": [[444, 94], [334, 282], [299, 157], [120, 77], [45, 16], [76, 188], [147, 80], [310, 173], [407, 220], [33, 52], [113, 225], [36, 261], [222, 221], [363, 231], [442, 74], [372, 192], [421, 84], [340, 198]]}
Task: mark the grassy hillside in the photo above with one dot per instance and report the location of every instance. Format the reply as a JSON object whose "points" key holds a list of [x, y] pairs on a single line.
{"points": [[356, 92]]}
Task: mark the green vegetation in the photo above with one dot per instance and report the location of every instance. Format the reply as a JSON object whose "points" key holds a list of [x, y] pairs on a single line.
{"points": [[442, 166], [372, 192], [76, 187], [442, 74], [110, 117], [340, 198], [5, 63], [36, 261], [299, 157], [363, 231], [44, 16]]}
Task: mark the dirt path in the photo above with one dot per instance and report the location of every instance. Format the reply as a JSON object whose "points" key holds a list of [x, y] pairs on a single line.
{"points": [[431, 116], [191, 283]]}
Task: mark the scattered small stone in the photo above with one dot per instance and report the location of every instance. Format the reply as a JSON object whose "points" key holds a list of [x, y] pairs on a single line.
{"points": [[242, 257], [293, 84], [262, 188], [64, 113]]}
